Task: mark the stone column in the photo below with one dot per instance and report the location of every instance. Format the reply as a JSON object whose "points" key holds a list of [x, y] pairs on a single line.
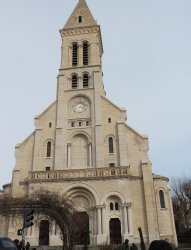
{"points": [[69, 145], [90, 154], [99, 221], [129, 214], [101, 238], [69, 83], [126, 229], [80, 82], [127, 220], [80, 55]]}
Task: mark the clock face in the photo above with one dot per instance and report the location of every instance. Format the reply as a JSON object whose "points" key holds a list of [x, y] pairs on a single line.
{"points": [[79, 108], [80, 105]]}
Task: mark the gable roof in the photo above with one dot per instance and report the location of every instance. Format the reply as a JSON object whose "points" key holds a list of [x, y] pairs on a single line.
{"points": [[82, 10]]}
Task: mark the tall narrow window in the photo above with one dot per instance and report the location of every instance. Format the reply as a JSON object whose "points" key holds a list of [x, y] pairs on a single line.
{"points": [[74, 82], [111, 206], [116, 206], [75, 54], [161, 197], [48, 149], [85, 53], [110, 141], [85, 80], [80, 19]]}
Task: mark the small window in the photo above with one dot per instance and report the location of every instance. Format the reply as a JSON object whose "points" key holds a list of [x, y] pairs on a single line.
{"points": [[75, 54], [109, 120], [111, 206], [47, 169], [110, 142], [85, 53], [87, 123], [111, 165], [48, 149], [74, 82], [50, 124], [72, 124], [80, 19], [80, 124], [116, 206], [85, 80], [161, 197]]}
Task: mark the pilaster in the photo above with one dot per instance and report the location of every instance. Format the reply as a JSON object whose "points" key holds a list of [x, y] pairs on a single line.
{"points": [[150, 204], [122, 145]]}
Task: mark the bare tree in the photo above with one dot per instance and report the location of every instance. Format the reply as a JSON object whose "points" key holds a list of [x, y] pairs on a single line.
{"points": [[55, 207], [181, 200]]}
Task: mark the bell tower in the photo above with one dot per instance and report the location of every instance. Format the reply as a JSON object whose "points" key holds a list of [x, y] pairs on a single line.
{"points": [[78, 141]]}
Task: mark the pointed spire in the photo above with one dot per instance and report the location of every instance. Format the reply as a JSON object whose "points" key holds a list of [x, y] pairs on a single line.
{"points": [[80, 17]]}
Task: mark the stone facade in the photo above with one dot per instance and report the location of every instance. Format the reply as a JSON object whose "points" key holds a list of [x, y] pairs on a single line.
{"points": [[83, 147]]}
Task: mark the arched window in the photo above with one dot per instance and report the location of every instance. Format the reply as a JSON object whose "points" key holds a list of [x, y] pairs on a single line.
{"points": [[85, 80], [48, 149], [161, 197], [85, 53], [74, 81], [75, 54], [116, 206], [110, 141], [111, 206]]}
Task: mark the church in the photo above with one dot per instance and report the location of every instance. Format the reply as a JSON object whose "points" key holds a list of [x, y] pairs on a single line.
{"points": [[83, 147]]}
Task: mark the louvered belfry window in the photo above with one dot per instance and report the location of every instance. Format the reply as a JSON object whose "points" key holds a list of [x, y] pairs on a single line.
{"points": [[85, 80], [85, 53], [74, 82], [75, 54]]}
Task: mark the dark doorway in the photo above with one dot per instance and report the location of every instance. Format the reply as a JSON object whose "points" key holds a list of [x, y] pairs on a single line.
{"points": [[81, 228], [115, 231], [44, 233]]}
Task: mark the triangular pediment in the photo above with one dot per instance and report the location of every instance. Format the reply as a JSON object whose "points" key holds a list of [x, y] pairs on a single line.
{"points": [[80, 17]]}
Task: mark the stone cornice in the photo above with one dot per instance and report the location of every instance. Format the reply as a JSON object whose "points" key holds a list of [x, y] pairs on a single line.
{"points": [[159, 177], [78, 68], [79, 31]]}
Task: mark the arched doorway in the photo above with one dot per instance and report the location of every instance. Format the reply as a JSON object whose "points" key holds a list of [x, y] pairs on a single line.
{"points": [[44, 233], [81, 228], [115, 231]]}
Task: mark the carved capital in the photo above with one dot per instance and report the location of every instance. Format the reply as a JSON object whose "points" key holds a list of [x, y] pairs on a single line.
{"points": [[127, 204]]}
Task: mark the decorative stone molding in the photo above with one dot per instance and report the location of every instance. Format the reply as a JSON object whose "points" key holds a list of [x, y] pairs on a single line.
{"points": [[79, 31], [79, 174]]}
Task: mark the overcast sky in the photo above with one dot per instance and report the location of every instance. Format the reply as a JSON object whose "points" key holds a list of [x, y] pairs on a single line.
{"points": [[146, 65]]}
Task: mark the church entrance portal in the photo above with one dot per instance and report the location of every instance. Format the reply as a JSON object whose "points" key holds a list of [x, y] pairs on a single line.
{"points": [[115, 231], [81, 228], [44, 233]]}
